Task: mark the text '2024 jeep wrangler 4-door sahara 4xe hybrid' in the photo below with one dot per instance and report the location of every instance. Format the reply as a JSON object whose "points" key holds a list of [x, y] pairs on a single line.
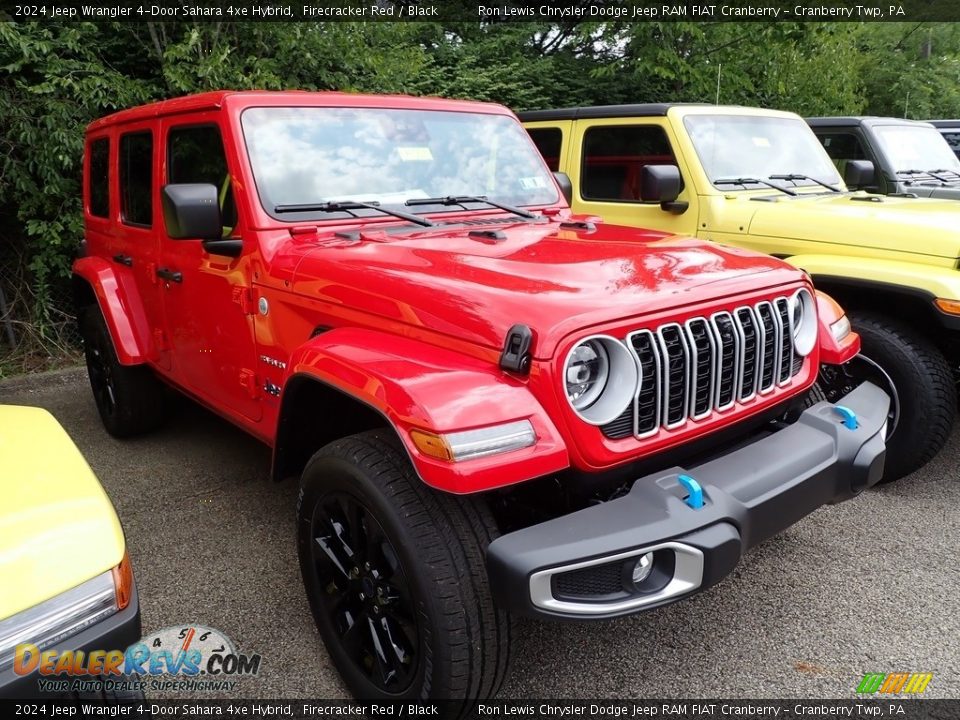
{"points": [[492, 406], [760, 179]]}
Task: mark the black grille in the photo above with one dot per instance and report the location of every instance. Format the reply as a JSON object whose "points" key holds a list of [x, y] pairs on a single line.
{"points": [[701, 341], [621, 427], [675, 368], [749, 326], [786, 341], [770, 340], [589, 582], [729, 342]]}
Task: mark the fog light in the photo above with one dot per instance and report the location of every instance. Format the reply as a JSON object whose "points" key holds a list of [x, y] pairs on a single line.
{"points": [[642, 569]]}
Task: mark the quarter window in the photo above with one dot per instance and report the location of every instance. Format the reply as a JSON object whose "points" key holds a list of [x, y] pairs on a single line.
{"points": [[548, 142], [953, 140], [614, 158], [136, 178], [98, 177]]}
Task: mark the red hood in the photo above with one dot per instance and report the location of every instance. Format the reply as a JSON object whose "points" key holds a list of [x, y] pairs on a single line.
{"points": [[556, 281]]}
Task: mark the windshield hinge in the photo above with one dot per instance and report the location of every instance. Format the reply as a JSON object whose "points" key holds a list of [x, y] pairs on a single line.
{"points": [[516, 350]]}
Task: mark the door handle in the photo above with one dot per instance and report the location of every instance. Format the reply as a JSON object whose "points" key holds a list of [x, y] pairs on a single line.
{"points": [[123, 259], [169, 275]]}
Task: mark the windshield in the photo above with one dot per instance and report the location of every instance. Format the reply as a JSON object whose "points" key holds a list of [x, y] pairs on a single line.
{"points": [[738, 146], [315, 155], [916, 148]]}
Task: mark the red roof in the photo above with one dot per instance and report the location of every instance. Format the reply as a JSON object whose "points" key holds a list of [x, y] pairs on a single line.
{"points": [[246, 98]]}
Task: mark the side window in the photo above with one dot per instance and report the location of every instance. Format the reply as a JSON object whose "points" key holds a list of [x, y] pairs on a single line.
{"points": [[953, 140], [614, 157], [136, 178], [843, 147], [195, 154], [98, 177], [548, 142]]}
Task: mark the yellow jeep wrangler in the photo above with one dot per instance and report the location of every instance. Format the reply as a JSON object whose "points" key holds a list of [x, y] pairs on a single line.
{"points": [[760, 179]]}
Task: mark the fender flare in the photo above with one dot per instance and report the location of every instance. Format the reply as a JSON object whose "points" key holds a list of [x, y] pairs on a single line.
{"points": [[122, 308], [414, 385], [925, 281]]}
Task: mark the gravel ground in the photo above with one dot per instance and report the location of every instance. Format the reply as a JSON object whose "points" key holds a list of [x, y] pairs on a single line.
{"points": [[870, 585]]}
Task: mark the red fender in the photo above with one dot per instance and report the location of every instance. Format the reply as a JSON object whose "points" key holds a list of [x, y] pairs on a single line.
{"points": [[419, 386], [120, 303], [832, 352]]}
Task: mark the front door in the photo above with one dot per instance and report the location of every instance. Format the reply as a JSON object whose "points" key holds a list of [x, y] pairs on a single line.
{"points": [[207, 299], [612, 155]]}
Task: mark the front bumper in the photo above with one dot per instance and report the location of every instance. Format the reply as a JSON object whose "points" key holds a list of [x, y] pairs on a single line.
{"points": [[579, 566], [117, 632]]}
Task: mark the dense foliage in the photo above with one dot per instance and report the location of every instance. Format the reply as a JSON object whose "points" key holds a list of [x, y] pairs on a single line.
{"points": [[55, 79]]}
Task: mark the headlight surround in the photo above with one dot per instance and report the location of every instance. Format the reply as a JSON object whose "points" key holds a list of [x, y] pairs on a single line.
{"points": [[60, 617], [803, 321], [600, 378]]}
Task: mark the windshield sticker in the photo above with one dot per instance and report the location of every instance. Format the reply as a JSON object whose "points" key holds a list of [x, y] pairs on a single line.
{"points": [[761, 142], [533, 183], [415, 154]]}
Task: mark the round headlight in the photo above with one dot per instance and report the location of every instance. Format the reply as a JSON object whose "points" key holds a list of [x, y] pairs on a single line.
{"points": [[601, 378], [588, 368], [803, 322]]}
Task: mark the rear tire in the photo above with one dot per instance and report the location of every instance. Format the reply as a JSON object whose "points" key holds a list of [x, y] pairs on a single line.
{"points": [[130, 398], [384, 557], [924, 387]]}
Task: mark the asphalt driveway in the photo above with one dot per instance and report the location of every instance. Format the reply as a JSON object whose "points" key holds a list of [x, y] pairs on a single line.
{"points": [[872, 585]]}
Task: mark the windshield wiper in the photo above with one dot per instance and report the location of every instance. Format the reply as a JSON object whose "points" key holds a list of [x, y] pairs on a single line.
{"points": [[461, 199], [753, 181], [935, 174], [348, 206], [793, 177]]}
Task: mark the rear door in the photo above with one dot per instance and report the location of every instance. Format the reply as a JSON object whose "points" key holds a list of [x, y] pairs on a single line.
{"points": [[207, 298], [133, 245]]}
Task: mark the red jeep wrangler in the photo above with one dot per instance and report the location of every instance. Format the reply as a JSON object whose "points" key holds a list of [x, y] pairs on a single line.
{"points": [[492, 406]]}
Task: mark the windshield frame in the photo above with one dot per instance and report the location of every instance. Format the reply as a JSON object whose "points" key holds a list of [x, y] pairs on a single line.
{"points": [[373, 215], [745, 171]]}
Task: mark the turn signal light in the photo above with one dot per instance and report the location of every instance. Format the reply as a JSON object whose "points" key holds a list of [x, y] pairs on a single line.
{"points": [[123, 582], [948, 306]]}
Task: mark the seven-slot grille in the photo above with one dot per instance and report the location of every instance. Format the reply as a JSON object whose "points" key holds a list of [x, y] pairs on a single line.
{"points": [[707, 365]]}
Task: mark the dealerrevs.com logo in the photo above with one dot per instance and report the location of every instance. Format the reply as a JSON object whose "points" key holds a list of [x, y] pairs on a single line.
{"points": [[188, 658]]}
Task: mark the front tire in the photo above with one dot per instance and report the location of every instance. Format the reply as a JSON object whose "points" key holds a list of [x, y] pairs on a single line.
{"points": [[130, 399], [396, 577], [925, 397]]}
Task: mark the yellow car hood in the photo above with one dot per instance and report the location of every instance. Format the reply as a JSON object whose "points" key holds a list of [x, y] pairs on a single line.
{"points": [[57, 525], [909, 225]]}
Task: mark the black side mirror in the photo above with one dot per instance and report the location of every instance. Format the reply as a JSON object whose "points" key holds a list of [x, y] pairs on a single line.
{"points": [[859, 174], [566, 187], [659, 183], [662, 184], [192, 210]]}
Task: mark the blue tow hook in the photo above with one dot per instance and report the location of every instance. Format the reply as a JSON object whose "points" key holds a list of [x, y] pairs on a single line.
{"points": [[695, 498], [849, 417]]}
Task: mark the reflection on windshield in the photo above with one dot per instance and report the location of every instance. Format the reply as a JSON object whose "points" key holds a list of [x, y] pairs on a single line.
{"points": [[309, 155], [737, 146], [916, 148]]}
